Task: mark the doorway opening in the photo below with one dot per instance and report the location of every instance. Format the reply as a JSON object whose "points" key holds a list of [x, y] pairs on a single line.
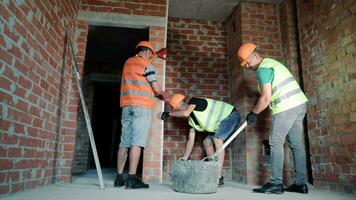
{"points": [[106, 52]]}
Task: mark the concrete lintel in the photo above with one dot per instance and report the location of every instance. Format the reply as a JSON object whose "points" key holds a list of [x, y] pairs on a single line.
{"points": [[263, 1], [102, 77], [120, 20]]}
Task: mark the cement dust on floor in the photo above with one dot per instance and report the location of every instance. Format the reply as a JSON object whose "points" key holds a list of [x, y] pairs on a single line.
{"points": [[86, 187]]}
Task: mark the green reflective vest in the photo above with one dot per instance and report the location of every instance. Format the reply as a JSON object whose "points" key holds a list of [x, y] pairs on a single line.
{"points": [[210, 118], [286, 93]]}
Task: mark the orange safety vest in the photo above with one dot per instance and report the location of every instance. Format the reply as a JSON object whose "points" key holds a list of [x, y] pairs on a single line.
{"points": [[135, 89]]}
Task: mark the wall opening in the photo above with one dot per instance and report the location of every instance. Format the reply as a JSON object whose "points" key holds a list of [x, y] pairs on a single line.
{"points": [[106, 52]]}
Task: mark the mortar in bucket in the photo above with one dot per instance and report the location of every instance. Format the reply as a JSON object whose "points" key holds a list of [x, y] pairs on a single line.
{"points": [[195, 176]]}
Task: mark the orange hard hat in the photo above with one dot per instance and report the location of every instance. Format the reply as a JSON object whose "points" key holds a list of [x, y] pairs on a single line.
{"points": [[244, 52], [176, 100], [146, 44]]}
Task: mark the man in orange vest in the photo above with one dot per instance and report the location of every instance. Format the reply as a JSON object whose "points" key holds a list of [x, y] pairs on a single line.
{"points": [[138, 89]]}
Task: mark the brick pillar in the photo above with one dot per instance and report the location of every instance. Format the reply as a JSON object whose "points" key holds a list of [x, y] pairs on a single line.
{"points": [[152, 160], [257, 23], [290, 50]]}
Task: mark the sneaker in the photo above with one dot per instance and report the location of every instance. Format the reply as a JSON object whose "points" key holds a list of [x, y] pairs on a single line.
{"points": [[270, 188], [134, 183], [221, 181], [119, 181]]}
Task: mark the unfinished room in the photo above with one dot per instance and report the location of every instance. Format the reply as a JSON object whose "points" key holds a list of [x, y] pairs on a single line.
{"points": [[177, 99]]}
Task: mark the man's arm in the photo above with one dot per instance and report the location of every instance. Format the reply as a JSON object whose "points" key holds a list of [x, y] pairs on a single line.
{"points": [[156, 88], [264, 99], [190, 144], [150, 75]]}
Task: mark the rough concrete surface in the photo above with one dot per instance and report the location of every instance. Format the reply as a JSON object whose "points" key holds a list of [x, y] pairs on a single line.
{"points": [[195, 177], [87, 188]]}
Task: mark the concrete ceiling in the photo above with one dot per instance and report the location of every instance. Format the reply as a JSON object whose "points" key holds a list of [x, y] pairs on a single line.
{"points": [[216, 10]]}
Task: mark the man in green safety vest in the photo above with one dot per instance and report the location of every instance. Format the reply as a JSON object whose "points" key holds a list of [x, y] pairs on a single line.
{"points": [[217, 118], [287, 102]]}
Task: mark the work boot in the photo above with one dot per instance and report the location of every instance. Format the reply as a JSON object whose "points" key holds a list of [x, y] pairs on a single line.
{"points": [[302, 188], [135, 183], [119, 181], [221, 181], [270, 188]]}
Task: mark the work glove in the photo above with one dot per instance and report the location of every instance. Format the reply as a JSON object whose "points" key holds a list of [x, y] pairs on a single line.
{"points": [[251, 118], [164, 115], [163, 96], [162, 53]]}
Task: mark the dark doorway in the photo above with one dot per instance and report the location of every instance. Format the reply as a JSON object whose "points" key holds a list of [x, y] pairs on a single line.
{"points": [[106, 122], [107, 50]]}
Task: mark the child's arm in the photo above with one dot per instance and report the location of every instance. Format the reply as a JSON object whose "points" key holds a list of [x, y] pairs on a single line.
{"points": [[183, 113], [190, 144]]}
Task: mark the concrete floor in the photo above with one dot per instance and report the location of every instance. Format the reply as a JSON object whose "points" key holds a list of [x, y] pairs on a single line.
{"points": [[86, 188]]}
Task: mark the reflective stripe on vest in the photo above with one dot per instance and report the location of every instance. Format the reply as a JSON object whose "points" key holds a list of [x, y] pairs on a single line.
{"points": [[286, 93], [135, 89], [210, 118], [135, 82]]}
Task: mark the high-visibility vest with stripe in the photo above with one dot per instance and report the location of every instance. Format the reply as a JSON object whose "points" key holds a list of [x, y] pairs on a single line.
{"points": [[135, 89], [209, 119], [286, 93]]}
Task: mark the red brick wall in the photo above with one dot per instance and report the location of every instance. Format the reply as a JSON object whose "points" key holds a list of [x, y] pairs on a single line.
{"points": [[257, 23], [196, 66], [133, 7], [36, 94], [327, 42]]}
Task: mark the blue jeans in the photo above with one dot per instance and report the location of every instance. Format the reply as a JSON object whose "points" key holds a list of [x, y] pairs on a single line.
{"points": [[288, 124], [227, 126]]}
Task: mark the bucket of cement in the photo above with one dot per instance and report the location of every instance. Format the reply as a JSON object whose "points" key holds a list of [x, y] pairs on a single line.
{"points": [[195, 177]]}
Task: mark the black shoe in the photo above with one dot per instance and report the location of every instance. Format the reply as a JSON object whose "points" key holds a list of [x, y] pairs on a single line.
{"points": [[303, 188], [134, 183], [221, 181], [270, 188], [119, 181]]}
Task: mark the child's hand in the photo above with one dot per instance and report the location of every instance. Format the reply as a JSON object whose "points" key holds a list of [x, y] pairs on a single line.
{"points": [[183, 158]]}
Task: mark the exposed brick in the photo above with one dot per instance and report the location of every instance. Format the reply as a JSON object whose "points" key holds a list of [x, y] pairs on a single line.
{"points": [[193, 61], [34, 49], [324, 43]]}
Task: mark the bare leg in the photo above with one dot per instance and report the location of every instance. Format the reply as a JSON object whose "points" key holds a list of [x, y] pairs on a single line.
{"points": [[208, 146], [218, 144], [121, 159], [135, 153]]}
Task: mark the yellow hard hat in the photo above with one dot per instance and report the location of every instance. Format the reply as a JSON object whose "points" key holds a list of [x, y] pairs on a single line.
{"points": [[244, 52], [176, 100], [146, 44]]}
